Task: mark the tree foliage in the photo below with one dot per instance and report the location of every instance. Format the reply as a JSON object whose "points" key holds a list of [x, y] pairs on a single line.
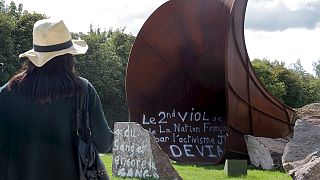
{"points": [[104, 65], [15, 36], [265, 71], [316, 68], [7, 25], [293, 86]]}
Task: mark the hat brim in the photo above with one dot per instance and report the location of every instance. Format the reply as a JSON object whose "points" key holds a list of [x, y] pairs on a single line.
{"points": [[40, 58]]}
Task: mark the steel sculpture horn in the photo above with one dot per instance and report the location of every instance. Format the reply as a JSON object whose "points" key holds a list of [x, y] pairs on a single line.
{"points": [[190, 82]]}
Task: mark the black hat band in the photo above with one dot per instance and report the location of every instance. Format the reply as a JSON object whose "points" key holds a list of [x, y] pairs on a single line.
{"points": [[52, 48]]}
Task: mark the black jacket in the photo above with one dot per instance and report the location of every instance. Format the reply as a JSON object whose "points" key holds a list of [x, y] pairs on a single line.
{"points": [[39, 142]]}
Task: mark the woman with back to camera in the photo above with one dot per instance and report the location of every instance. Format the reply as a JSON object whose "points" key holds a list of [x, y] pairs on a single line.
{"points": [[38, 123]]}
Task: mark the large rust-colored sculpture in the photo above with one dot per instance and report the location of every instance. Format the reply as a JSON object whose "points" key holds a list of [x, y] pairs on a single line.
{"points": [[190, 82]]}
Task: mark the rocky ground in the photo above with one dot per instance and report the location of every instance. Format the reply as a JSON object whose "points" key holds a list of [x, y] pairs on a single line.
{"points": [[298, 153], [311, 111], [301, 157]]}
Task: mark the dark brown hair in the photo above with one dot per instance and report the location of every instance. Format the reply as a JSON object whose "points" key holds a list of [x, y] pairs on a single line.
{"points": [[55, 80]]}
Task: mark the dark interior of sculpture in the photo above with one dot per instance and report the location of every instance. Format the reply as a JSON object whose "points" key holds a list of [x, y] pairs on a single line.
{"points": [[190, 82]]}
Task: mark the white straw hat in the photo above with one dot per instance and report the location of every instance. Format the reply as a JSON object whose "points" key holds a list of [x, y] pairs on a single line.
{"points": [[52, 38]]}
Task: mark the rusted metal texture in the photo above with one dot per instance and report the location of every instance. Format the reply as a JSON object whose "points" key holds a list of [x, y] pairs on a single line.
{"points": [[190, 82]]}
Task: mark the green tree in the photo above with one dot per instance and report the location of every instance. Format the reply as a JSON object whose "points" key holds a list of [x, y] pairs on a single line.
{"points": [[121, 44], [15, 11], [309, 84], [15, 37], [7, 25], [23, 31], [105, 67], [2, 6], [310, 89], [293, 85], [265, 71], [316, 68], [298, 68]]}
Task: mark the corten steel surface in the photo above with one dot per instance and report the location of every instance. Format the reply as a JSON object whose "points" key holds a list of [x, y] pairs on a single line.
{"points": [[190, 82]]}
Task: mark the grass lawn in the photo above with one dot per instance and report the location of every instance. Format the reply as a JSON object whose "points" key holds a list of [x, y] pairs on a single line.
{"points": [[197, 172]]}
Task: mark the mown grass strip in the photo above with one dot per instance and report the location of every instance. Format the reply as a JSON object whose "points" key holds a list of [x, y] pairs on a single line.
{"points": [[195, 172]]}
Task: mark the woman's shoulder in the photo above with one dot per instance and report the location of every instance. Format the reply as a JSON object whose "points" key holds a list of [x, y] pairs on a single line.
{"points": [[91, 88], [4, 88], [84, 80], [93, 95], [5, 94]]}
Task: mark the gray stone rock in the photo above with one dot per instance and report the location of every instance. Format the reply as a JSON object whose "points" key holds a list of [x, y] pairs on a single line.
{"points": [[301, 157], [265, 152], [136, 154]]}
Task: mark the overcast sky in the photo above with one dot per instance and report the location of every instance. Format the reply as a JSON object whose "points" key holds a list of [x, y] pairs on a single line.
{"points": [[285, 30]]}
